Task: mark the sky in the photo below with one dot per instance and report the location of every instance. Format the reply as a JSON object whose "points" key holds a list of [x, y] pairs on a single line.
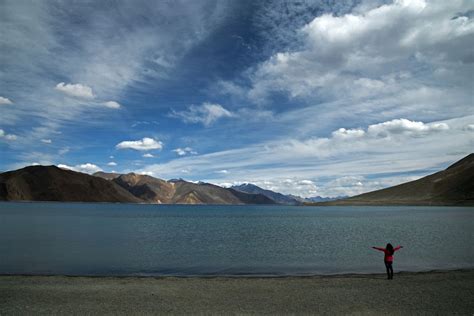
{"points": [[311, 98]]}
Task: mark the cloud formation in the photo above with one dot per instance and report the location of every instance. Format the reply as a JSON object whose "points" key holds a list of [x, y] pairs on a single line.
{"points": [[7, 136], [206, 113], [89, 168], [368, 44], [75, 90], [184, 151], [411, 147], [4, 101], [404, 126], [144, 144], [112, 105]]}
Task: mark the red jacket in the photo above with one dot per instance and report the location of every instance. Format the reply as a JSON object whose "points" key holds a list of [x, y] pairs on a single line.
{"points": [[388, 256]]}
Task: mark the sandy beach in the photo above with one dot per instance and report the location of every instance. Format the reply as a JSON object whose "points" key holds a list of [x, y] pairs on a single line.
{"points": [[440, 292]]}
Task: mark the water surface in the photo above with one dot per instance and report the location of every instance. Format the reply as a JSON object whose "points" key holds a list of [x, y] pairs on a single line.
{"points": [[131, 239]]}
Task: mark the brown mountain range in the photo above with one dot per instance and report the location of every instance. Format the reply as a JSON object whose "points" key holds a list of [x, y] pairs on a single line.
{"points": [[452, 186], [50, 183], [154, 190]]}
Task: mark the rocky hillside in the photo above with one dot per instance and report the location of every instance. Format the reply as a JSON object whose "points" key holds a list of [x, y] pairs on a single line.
{"points": [[50, 183], [153, 190], [275, 196], [452, 186]]}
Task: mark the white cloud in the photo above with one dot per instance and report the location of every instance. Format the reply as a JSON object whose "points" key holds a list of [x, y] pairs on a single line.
{"points": [[184, 151], [404, 126], [145, 143], [7, 136], [46, 141], [112, 163], [223, 171], [348, 133], [75, 90], [354, 55], [84, 168], [206, 114], [148, 155], [63, 151], [112, 105], [469, 127], [4, 100], [321, 160]]}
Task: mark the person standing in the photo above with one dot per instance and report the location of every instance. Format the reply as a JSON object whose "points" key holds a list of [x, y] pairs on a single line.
{"points": [[388, 258]]}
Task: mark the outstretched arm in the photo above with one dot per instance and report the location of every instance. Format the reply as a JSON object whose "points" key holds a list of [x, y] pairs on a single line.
{"points": [[378, 248], [397, 248]]}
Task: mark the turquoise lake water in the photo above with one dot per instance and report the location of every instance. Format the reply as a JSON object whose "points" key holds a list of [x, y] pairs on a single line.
{"points": [[129, 239]]}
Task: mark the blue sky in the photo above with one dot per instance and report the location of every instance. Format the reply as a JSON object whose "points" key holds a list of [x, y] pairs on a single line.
{"points": [[304, 97]]}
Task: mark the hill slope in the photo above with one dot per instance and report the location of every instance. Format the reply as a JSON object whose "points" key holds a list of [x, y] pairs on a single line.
{"points": [[452, 186], [50, 183], [275, 196], [154, 190]]}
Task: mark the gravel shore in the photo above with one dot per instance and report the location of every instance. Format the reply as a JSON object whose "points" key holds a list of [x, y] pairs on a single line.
{"points": [[441, 292]]}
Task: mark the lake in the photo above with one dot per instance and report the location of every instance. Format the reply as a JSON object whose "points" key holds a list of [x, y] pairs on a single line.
{"points": [[153, 240]]}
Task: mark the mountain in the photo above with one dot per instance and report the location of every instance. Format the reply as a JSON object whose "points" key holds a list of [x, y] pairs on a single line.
{"points": [[146, 188], [154, 190], [452, 186], [324, 199], [50, 183], [275, 196]]}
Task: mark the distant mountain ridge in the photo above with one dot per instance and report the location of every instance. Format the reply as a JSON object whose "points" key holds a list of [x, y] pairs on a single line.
{"points": [[179, 191], [288, 199], [154, 190], [50, 183], [452, 186], [275, 196], [317, 198]]}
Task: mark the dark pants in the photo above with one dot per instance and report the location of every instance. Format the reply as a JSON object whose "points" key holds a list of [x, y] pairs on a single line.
{"points": [[388, 266]]}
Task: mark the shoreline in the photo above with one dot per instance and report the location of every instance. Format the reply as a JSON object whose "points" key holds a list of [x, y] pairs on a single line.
{"points": [[438, 292], [240, 276]]}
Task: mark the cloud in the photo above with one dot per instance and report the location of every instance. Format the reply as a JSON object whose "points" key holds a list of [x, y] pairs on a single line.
{"points": [[223, 171], [144, 144], [287, 162], [63, 151], [404, 126], [354, 55], [348, 133], [46, 141], [469, 127], [112, 163], [112, 105], [206, 114], [44, 42], [148, 155], [84, 168], [75, 90], [4, 101], [185, 151], [7, 136]]}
